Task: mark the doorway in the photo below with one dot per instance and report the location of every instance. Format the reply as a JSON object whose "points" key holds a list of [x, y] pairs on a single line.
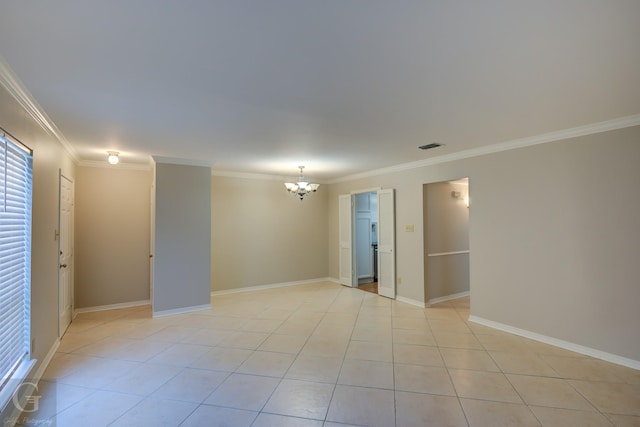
{"points": [[65, 254], [360, 262], [366, 241], [446, 240]]}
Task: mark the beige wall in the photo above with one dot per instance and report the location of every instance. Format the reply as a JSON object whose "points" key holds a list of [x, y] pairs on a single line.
{"points": [[111, 236], [555, 239], [260, 235], [49, 158], [553, 235]]}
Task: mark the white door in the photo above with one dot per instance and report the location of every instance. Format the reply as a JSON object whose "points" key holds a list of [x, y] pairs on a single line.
{"points": [[345, 237], [65, 247], [386, 244]]}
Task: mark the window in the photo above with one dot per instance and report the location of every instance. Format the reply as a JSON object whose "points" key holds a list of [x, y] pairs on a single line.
{"points": [[15, 263]]}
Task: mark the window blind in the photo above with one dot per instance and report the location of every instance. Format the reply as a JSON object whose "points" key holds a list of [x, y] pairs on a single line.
{"points": [[15, 257]]}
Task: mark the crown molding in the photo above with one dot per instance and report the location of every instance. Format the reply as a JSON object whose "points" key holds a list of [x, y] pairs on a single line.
{"points": [[248, 175], [121, 165], [605, 126], [259, 176], [19, 92], [183, 162]]}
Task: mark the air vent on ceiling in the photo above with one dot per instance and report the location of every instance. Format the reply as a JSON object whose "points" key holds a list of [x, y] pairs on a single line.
{"points": [[429, 146]]}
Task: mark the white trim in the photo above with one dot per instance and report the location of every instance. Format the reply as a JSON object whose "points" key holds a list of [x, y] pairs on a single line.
{"points": [[449, 297], [121, 165], [271, 286], [184, 162], [181, 310], [10, 81], [605, 126], [577, 348], [112, 306], [15, 413], [47, 359], [449, 253], [366, 191], [258, 176], [248, 175], [410, 301]]}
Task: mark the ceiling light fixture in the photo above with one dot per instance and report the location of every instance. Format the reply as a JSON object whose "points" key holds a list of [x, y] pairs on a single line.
{"points": [[302, 187], [113, 158]]}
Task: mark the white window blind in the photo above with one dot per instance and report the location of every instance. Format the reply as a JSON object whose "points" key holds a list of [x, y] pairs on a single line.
{"points": [[15, 259]]}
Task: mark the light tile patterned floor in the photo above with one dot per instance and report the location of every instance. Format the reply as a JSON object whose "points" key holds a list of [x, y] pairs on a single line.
{"points": [[323, 355]]}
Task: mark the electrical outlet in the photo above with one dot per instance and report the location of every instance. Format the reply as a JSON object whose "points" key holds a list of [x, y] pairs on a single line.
{"points": [[399, 280], [408, 228]]}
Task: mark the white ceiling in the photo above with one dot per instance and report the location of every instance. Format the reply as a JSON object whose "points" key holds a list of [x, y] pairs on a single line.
{"points": [[341, 86]]}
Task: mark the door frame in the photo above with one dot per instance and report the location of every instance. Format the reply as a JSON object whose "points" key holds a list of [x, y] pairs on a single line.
{"points": [[387, 243], [427, 255], [348, 273]]}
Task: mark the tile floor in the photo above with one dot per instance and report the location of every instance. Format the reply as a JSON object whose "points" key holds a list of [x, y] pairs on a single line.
{"points": [[322, 355]]}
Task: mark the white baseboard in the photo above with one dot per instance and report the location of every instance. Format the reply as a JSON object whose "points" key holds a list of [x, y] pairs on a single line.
{"points": [[410, 301], [47, 359], [112, 306], [449, 297], [181, 310], [270, 286], [608, 357], [338, 282]]}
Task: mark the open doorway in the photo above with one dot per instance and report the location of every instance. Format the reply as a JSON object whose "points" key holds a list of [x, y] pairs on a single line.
{"points": [[385, 232], [366, 241], [446, 240]]}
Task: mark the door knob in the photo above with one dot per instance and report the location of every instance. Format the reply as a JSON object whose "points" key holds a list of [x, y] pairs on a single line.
{"points": [[63, 265]]}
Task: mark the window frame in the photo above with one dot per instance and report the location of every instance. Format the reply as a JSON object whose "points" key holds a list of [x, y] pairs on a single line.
{"points": [[16, 193]]}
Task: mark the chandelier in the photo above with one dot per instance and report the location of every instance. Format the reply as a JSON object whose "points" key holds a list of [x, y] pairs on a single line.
{"points": [[302, 187]]}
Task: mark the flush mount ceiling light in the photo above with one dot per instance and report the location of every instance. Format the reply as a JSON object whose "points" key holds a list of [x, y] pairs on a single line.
{"points": [[113, 158], [302, 187]]}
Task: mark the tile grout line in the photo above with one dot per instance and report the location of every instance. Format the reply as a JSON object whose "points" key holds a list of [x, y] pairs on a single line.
{"points": [[466, 418]]}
